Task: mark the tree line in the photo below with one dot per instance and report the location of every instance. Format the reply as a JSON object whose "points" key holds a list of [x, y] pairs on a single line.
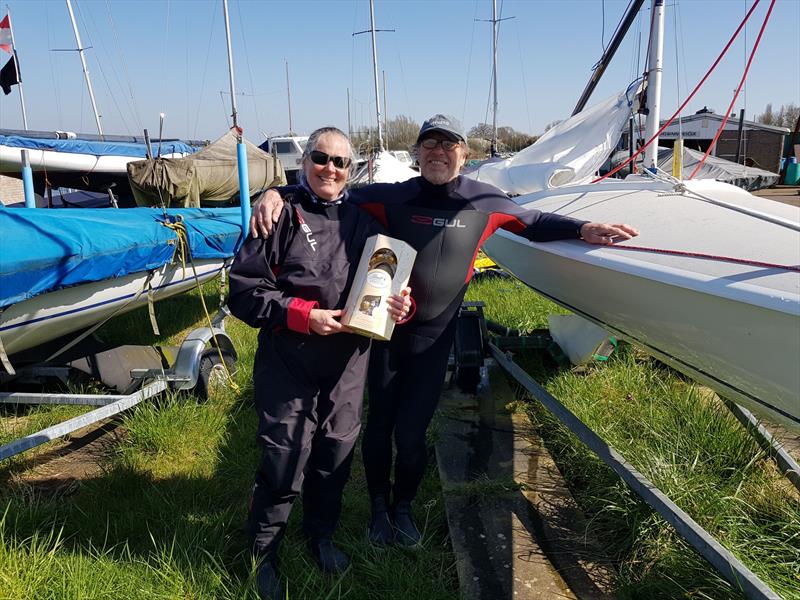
{"points": [[786, 116], [401, 134]]}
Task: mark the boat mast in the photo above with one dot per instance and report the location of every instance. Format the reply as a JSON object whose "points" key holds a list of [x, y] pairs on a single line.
{"points": [[372, 30], [375, 69], [241, 150], [85, 69], [289, 97], [494, 21], [230, 65], [654, 71], [16, 66], [494, 78]]}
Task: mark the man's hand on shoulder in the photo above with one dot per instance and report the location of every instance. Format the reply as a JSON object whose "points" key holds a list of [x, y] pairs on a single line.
{"points": [[265, 213]]}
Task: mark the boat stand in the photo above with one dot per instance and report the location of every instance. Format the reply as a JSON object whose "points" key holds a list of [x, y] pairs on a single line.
{"points": [[730, 567], [196, 363], [787, 465]]}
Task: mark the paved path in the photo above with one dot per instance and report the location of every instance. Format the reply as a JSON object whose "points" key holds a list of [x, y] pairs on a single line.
{"points": [[516, 530]]}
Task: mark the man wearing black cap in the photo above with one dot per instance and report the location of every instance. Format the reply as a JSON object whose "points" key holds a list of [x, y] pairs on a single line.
{"points": [[446, 218]]}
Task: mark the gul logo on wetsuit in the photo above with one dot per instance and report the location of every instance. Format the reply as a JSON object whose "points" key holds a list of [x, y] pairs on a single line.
{"points": [[306, 229], [436, 221], [309, 236]]}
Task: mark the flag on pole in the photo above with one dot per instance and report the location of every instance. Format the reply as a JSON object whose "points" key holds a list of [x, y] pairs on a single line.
{"points": [[5, 34], [9, 75]]}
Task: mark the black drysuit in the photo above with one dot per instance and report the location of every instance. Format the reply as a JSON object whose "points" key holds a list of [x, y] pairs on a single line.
{"points": [[446, 224], [308, 388]]}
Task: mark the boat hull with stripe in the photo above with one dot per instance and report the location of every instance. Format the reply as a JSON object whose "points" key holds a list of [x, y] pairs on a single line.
{"points": [[733, 325]]}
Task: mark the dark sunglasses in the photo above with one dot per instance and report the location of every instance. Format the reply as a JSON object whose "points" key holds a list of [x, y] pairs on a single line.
{"points": [[431, 143], [322, 159]]}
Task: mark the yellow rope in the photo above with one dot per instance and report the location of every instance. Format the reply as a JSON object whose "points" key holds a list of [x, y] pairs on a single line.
{"points": [[182, 252]]}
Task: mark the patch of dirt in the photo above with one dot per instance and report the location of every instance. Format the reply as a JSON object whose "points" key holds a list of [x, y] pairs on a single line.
{"points": [[60, 469], [790, 440]]}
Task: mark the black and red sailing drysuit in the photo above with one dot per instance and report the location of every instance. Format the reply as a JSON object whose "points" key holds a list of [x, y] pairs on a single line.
{"points": [[308, 388]]}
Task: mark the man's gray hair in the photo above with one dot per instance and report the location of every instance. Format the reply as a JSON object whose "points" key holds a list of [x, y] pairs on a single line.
{"points": [[313, 140]]}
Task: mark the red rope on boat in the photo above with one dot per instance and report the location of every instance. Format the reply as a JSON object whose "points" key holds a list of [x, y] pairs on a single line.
{"points": [[742, 261], [736, 95], [694, 91]]}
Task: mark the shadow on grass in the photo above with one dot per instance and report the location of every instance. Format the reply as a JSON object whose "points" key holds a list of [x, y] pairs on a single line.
{"points": [[190, 521]]}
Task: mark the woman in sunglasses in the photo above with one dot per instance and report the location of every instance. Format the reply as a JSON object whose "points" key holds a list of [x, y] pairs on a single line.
{"points": [[308, 371]]}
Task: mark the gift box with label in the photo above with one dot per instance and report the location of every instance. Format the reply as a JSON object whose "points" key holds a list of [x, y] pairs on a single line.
{"points": [[384, 270]]}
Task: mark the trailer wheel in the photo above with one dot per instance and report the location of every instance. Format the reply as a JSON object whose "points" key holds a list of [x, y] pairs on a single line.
{"points": [[212, 374]]}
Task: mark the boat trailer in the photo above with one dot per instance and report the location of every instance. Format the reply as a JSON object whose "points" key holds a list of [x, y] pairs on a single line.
{"points": [[472, 346], [205, 354]]}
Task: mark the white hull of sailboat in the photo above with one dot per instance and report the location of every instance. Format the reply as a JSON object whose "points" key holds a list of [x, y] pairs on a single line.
{"points": [[49, 316], [72, 162], [734, 327]]}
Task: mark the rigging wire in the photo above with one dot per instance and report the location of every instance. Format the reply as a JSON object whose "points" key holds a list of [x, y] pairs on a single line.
{"points": [[744, 99], [53, 69], [164, 50], [187, 62], [99, 63], [405, 87], [469, 62], [353, 62], [694, 91], [247, 61], [638, 74], [205, 69], [603, 26], [524, 83], [133, 103], [738, 89], [677, 70], [614, 35]]}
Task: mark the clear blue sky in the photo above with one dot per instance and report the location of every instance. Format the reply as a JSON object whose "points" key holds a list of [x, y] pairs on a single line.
{"points": [[152, 56]]}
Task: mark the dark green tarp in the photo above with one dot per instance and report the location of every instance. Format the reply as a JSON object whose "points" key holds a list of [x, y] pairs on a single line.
{"points": [[209, 177]]}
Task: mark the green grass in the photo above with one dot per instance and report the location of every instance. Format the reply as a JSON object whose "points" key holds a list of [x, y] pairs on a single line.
{"points": [[679, 436], [164, 518]]}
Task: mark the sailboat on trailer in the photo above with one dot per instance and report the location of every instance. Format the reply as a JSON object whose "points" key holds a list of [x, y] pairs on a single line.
{"points": [[711, 286]]}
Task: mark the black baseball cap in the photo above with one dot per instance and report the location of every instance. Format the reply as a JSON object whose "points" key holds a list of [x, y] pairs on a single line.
{"points": [[449, 126]]}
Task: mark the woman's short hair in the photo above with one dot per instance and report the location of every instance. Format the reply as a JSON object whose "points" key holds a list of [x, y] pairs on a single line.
{"points": [[313, 140]]}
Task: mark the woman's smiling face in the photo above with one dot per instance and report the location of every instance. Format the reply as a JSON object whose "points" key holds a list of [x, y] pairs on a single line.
{"points": [[327, 181]]}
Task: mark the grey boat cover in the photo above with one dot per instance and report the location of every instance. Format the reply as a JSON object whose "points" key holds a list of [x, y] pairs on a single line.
{"points": [[727, 171], [207, 178]]}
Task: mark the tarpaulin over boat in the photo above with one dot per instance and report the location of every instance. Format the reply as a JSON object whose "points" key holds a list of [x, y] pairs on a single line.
{"points": [[43, 250], [94, 147], [210, 176], [568, 154], [747, 178]]}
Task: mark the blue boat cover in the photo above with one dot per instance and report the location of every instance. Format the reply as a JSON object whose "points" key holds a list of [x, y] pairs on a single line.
{"points": [[47, 249], [95, 148]]}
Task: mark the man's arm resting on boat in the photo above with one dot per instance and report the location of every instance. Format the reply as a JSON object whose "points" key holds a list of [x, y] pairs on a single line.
{"points": [[606, 233]]}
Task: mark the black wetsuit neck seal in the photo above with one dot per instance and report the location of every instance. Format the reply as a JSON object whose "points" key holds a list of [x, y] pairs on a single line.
{"points": [[441, 190]]}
